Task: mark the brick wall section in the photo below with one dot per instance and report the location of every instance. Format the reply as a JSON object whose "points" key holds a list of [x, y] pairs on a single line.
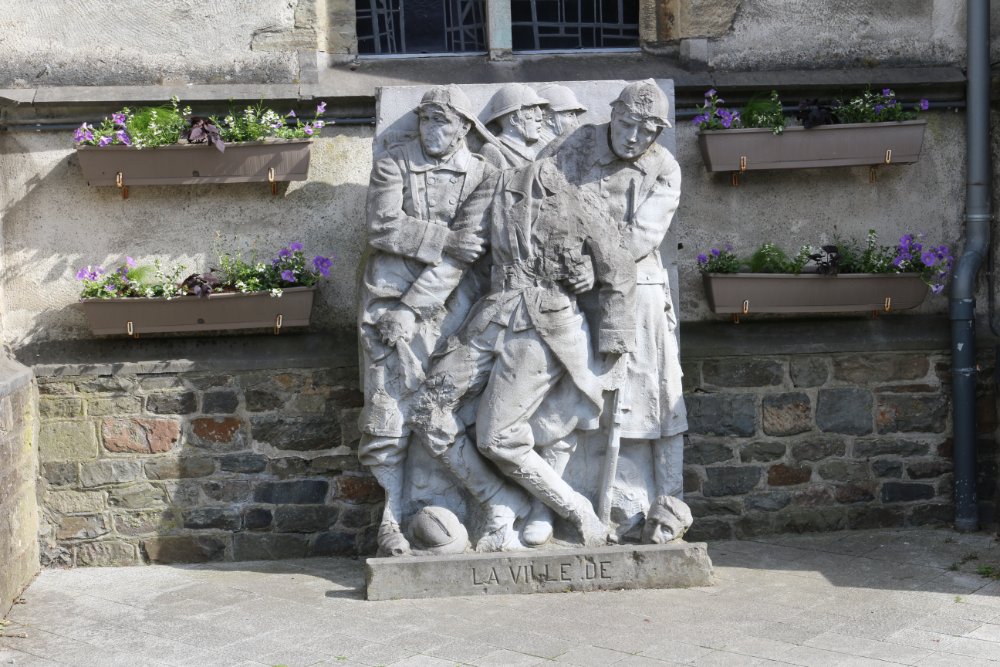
{"points": [[18, 470], [793, 443], [202, 466]]}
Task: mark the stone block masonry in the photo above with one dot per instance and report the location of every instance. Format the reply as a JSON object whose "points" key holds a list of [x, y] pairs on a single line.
{"points": [[18, 470], [826, 441], [201, 466]]}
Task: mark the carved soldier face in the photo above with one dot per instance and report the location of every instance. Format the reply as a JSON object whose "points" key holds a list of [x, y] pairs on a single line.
{"points": [[528, 122], [630, 135], [441, 130], [562, 122]]}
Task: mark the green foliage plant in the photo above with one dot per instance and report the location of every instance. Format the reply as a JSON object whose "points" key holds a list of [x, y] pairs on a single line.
{"points": [[765, 113]]}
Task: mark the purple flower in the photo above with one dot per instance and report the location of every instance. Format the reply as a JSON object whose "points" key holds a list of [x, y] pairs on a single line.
{"points": [[104, 141], [702, 258], [83, 274], [898, 261], [887, 92], [929, 258], [716, 252], [879, 108], [123, 138], [118, 118], [288, 276], [284, 252], [937, 288], [710, 92], [109, 288], [308, 130], [924, 105], [321, 108], [295, 246], [291, 114], [322, 264], [129, 261], [698, 120], [319, 125]]}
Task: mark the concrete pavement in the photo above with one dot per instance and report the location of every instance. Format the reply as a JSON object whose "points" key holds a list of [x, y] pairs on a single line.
{"points": [[910, 597]]}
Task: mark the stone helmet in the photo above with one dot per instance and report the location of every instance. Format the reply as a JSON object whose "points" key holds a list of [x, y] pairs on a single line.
{"points": [[512, 97], [449, 97], [438, 531], [561, 98], [645, 100]]}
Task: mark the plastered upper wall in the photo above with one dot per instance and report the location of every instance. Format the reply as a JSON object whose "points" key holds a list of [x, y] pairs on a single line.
{"points": [[93, 42]]}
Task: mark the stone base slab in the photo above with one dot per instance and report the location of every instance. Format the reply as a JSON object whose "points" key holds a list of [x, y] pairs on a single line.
{"points": [[675, 565]]}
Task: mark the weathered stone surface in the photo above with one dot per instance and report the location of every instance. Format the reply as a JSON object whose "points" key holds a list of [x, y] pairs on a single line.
{"points": [[887, 468], [730, 481], [76, 502], [146, 522], [209, 381], [213, 517], [864, 517], [770, 501], [692, 481], [229, 491], [185, 549], [116, 384], [67, 441], [293, 466], [703, 452], [935, 514], [864, 447], [161, 383], [219, 402], [296, 433], [304, 492], [218, 433], [813, 496], [82, 527], [846, 410], [358, 489], [143, 435], [304, 518], [873, 369], [243, 463], [61, 474], [179, 468], [786, 414], [270, 546], [903, 412], [762, 452], [810, 520], [901, 492], [183, 403], [257, 518], [111, 553], [104, 406], [137, 496], [928, 469], [677, 565], [60, 407], [114, 471], [818, 447], [258, 400], [843, 470], [340, 543], [709, 529], [808, 371], [354, 516], [785, 475], [855, 493], [714, 506], [742, 372], [48, 387], [722, 414]]}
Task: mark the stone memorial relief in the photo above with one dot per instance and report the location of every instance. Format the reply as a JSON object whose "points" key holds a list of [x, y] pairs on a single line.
{"points": [[519, 351]]}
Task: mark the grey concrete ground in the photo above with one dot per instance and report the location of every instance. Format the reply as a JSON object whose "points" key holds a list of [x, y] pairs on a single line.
{"points": [[910, 597]]}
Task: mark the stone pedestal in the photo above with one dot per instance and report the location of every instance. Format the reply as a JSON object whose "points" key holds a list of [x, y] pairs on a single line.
{"points": [[675, 565]]}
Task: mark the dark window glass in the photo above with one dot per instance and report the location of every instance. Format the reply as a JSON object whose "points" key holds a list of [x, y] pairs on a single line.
{"points": [[420, 26], [540, 25]]}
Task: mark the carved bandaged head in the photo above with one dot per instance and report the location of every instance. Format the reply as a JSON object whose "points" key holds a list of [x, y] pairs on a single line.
{"points": [[638, 116], [519, 108], [444, 119]]}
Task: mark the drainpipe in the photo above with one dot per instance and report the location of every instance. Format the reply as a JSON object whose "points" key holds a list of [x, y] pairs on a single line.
{"points": [[978, 216]]}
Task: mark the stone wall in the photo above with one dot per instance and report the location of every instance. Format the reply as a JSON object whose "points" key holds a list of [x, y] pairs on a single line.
{"points": [[199, 462], [827, 441], [18, 471]]}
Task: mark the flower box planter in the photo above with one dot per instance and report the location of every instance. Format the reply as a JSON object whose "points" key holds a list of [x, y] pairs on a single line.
{"points": [[187, 164], [748, 293], [824, 146], [222, 311]]}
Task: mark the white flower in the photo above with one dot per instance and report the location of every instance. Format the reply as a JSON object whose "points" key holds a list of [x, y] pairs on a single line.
{"points": [[276, 292]]}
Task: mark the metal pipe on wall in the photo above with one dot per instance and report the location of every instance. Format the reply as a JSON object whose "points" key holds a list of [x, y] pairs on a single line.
{"points": [[978, 218]]}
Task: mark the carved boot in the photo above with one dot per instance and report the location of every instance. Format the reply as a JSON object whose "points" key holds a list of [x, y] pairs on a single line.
{"points": [[503, 502], [668, 466], [390, 538], [534, 474], [538, 527]]}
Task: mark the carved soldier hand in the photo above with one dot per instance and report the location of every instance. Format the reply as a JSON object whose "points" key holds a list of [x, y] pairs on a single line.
{"points": [[464, 246], [582, 278], [399, 324]]}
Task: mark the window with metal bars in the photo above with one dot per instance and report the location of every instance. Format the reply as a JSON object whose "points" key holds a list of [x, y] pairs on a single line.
{"points": [[550, 25], [387, 27]]}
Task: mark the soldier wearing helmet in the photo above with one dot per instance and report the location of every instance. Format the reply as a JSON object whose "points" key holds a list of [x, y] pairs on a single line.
{"points": [[562, 116], [415, 191], [514, 114]]}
